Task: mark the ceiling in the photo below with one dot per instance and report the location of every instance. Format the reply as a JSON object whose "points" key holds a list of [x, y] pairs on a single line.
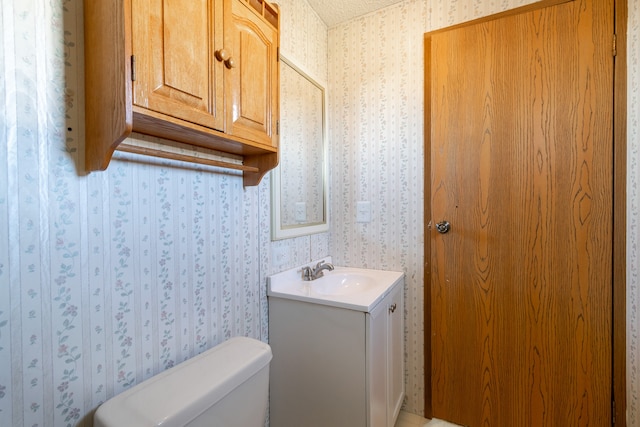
{"points": [[333, 12]]}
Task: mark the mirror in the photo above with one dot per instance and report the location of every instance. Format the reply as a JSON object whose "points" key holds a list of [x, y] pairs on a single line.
{"points": [[299, 183]]}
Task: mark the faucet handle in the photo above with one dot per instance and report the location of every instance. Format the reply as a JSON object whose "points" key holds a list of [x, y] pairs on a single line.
{"points": [[307, 273], [318, 270], [324, 264]]}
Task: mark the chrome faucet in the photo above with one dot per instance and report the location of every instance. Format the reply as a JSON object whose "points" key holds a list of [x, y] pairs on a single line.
{"points": [[316, 272]]}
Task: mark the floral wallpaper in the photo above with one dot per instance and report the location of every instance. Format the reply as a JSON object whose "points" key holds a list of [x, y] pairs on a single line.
{"points": [[107, 279], [633, 214], [376, 133]]}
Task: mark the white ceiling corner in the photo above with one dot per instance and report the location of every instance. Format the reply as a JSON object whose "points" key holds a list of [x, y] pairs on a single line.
{"points": [[334, 12]]}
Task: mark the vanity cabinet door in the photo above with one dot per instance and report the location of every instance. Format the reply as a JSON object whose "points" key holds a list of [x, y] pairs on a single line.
{"points": [[174, 47], [251, 76], [377, 351], [386, 359], [395, 360]]}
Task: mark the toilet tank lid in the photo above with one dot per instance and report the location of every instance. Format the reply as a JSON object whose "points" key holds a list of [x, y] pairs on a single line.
{"points": [[178, 395]]}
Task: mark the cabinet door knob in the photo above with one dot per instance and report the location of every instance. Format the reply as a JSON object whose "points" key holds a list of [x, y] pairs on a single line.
{"points": [[222, 55], [392, 308], [230, 63]]}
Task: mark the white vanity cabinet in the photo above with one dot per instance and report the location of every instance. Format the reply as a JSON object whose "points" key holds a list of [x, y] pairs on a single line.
{"points": [[337, 366]]}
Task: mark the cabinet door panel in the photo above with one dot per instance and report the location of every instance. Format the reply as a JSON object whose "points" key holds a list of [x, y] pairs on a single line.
{"points": [[173, 44], [396, 355], [252, 82], [377, 360]]}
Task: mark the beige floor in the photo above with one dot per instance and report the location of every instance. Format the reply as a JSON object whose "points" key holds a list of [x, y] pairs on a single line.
{"points": [[406, 419]]}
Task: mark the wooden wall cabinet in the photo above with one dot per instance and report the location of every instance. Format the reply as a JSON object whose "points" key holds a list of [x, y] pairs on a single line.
{"points": [[203, 73]]}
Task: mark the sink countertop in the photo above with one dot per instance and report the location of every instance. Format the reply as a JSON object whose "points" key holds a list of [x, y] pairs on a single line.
{"points": [[362, 288]]}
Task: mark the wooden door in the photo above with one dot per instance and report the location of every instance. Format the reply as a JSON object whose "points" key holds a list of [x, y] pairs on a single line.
{"points": [[252, 80], [174, 45], [519, 161]]}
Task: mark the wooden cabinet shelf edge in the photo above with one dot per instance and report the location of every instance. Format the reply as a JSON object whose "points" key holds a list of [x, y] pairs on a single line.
{"points": [[110, 113]]}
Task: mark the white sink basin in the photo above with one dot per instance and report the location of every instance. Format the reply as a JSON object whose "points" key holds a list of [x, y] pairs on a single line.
{"points": [[353, 288], [342, 283]]}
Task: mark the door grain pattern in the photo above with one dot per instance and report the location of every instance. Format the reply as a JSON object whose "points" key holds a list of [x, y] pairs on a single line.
{"points": [[519, 134]]}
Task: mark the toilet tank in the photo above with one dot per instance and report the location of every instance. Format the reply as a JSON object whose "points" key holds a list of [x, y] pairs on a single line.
{"points": [[225, 386]]}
